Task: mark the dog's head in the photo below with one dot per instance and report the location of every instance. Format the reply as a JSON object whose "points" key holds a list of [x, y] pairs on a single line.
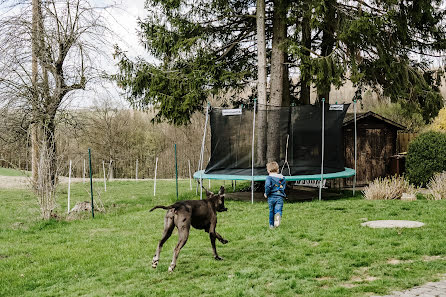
{"points": [[218, 199]]}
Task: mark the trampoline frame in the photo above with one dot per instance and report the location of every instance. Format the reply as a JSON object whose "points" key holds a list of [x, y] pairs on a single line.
{"points": [[348, 172]]}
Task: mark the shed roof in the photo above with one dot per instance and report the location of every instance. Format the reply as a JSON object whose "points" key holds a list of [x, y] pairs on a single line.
{"points": [[349, 119]]}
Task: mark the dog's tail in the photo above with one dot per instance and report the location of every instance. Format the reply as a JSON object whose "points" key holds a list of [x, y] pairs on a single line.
{"points": [[161, 206]]}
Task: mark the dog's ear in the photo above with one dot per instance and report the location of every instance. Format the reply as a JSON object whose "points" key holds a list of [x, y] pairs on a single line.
{"points": [[222, 191], [208, 193]]}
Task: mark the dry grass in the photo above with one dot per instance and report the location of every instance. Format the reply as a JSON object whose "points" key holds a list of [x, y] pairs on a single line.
{"points": [[388, 188], [437, 186]]}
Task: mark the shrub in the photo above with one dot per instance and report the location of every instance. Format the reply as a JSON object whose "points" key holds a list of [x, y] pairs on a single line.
{"points": [[388, 188], [425, 157], [437, 186]]}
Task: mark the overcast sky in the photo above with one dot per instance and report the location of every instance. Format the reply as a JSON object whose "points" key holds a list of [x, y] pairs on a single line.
{"points": [[123, 22]]}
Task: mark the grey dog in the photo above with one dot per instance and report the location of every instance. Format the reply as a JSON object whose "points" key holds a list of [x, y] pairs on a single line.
{"points": [[201, 214]]}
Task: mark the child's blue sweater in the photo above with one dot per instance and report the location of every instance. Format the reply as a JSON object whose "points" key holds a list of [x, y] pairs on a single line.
{"points": [[275, 185]]}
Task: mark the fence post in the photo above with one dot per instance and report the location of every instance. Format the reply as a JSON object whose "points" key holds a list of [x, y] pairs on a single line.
{"points": [[91, 185], [103, 169], [69, 184], [83, 174], [136, 173], [190, 177], [154, 182]]}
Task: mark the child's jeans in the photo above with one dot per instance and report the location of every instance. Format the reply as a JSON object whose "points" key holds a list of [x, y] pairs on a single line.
{"points": [[275, 204]]}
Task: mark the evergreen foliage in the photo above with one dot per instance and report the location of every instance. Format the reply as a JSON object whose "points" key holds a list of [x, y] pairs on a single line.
{"points": [[204, 48], [426, 156]]}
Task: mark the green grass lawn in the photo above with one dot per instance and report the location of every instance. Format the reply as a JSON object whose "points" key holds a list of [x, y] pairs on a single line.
{"points": [[319, 250], [13, 172]]}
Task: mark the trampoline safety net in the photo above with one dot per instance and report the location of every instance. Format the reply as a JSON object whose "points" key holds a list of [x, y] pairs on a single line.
{"points": [[231, 140]]}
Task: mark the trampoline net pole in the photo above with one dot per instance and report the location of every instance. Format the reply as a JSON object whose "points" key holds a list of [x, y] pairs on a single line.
{"points": [[354, 177], [322, 150], [252, 152], [202, 151]]}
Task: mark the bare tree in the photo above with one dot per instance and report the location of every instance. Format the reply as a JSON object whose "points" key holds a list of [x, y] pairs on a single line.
{"points": [[49, 49]]}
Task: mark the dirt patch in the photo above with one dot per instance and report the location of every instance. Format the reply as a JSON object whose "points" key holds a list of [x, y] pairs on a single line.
{"points": [[433, 258], [17, 225], [361, 276], [348, 286], [397, 261]]}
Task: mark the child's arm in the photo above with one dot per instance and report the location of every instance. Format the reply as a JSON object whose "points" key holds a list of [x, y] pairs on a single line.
{"points": [[267, 187], [284, 187]]}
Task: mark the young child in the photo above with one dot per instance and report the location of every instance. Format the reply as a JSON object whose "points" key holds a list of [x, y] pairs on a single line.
{"points": [[275, 192]]}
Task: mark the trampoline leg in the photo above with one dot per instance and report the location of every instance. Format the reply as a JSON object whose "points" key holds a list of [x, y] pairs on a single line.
{"points": [[354, 184]]}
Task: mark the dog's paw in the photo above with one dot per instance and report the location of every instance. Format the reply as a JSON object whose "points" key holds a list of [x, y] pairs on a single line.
{"points": [[224, 241], [218, 258], [171, 268], [154, 264]]}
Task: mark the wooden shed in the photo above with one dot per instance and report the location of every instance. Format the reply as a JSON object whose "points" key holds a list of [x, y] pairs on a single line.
{"points": [[376, 143]]}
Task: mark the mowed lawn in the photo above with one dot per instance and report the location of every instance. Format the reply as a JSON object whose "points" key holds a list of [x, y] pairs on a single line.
{"points": [[319, 250]]}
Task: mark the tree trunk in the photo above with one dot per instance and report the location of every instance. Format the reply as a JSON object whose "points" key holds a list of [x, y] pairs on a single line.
{"points": [[262, 124], [286, 98], [327, 44], [111, 173], [305, 88], [35, 96], [277, 80], [50, 142]]}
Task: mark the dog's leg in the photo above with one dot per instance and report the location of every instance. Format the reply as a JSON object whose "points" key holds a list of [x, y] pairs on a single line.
{"points": [[220, 238], [168, 228], [213, 236], [183, 235]]}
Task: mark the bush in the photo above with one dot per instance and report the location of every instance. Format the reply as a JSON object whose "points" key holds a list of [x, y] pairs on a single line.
{"points": [[425, 157], [439, 123], [437, 186], [388, 188]]}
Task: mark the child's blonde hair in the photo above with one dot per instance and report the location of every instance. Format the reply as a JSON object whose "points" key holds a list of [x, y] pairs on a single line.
{"points": [[272, 167]]}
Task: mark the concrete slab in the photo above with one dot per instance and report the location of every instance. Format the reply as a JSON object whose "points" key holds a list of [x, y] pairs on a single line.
{"points": [[393, 224]]}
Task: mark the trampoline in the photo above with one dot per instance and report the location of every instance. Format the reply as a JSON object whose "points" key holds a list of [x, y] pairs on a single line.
{"points": [[347, 172], [307, 142]]}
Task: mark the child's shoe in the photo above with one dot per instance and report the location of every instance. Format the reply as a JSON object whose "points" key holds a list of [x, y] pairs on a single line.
{"points": [[271, 226], [277, 220]]}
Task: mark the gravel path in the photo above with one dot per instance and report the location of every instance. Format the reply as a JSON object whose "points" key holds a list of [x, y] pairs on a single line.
{"points": [[436, 289], [23, 182], [14, 182]]}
